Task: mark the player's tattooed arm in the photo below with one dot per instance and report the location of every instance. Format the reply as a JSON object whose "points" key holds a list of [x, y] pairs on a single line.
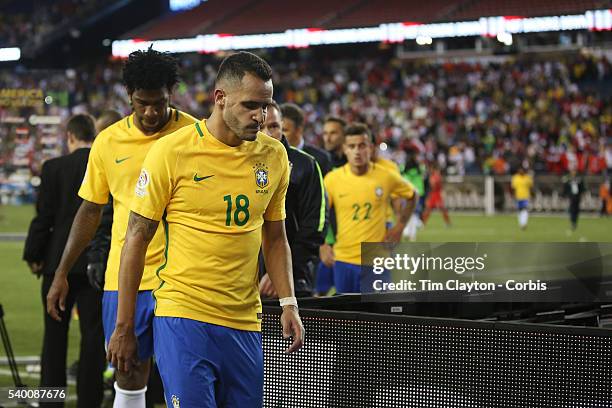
{"points": [[122, 345], [139, 234], [142, 227]]}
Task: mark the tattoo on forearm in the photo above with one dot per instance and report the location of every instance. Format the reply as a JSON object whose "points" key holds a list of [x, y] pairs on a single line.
{"points": [[138, 224]]}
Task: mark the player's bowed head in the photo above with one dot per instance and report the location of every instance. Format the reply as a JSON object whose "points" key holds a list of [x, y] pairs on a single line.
{"points": [[149, 78], [243, 91]]}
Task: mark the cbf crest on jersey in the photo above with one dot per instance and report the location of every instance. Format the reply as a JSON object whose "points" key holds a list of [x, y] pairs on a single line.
{"points": [[175, 402], [262, 179], [379, 192], [142, 183]]}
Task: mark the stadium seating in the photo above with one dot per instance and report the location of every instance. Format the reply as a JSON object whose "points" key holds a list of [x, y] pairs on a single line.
{"points": [[381, 11], [247, 16], [277, 16], [525, 8], [199, 20], [31, 22], [471, 118]]}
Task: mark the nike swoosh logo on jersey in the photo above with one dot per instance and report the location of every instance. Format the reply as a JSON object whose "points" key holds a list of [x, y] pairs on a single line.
{"points": [[198, 179], [342, 195], [122, 160]]}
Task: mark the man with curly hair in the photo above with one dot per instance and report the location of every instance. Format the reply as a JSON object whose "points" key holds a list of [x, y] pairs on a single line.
{"points": [[114, 167]]}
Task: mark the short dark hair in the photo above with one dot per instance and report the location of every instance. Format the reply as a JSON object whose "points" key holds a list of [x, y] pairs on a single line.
{"points": [[107, 118], [335, 119], [358, 128], [82, 126], [274, 104], [150, 69], [293, 112], [236, 65]]}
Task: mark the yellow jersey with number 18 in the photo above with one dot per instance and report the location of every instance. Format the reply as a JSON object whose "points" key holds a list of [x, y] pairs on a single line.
{"points": [[360, 204], [115, 160], [213, 200]]}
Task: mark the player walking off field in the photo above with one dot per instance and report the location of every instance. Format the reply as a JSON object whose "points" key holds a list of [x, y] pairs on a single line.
{"points": [[114, 165], [359, 194], [218, 187]]}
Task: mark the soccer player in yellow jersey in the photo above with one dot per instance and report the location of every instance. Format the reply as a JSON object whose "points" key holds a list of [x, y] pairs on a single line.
{"points": [[218, 187], [359, 193], [391, 166], [386, 164], [114, 166], [522, 183]]}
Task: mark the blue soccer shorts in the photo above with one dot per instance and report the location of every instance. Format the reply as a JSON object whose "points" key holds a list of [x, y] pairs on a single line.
{"points": [[522, 204], [143, 320], [204, 365], [352, 278], [347, 277], [324, 279]]}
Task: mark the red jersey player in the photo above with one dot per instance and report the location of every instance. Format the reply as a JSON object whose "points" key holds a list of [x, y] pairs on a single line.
{"points": [[434, 199]]}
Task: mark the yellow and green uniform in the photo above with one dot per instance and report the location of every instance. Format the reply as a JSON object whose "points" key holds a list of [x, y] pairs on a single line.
{"points": [[360, 204], [114, 164], [388, 165], [522, 185], [213, 200]]}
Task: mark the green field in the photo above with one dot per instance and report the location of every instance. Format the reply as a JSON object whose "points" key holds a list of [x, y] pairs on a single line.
{"points": [[504, 228], [15, 218], [20, 294], [21, 297]]}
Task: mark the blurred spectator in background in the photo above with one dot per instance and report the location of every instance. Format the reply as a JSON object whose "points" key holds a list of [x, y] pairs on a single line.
{"points": [[414, 174], [605, 194], [56, 208], [293, 129], [333, 139], [471, 118], [573, 188], [107, 118], [30, 22]]}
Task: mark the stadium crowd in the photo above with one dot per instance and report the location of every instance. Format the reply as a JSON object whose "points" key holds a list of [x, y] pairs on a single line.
{"points": [[480, 118], [28, 22]]}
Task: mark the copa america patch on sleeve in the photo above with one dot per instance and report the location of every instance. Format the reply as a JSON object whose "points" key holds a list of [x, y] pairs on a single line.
{"points": [[143, 182]]}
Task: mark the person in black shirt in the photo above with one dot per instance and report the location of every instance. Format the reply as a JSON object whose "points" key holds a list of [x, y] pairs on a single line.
{"points": [[333, 138], [56, 208], [306, 210], [293, 129], [573, 188]]}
